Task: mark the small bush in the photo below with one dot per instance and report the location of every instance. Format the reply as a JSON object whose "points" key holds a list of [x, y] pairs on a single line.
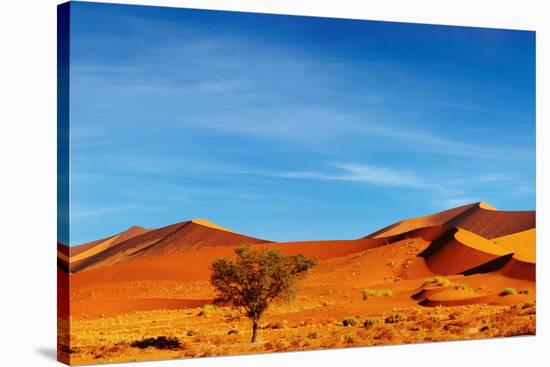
{"points": [[160, 342], [348, 339], [439, 280], [508, 291], [524, 291], [191, 332], [370, 321], [528, 304], [349, 321], [463, 287], [394, 318], [486, 327], [274, 326], [369, 293], [313, 335], [207, 310], [233, 331]]}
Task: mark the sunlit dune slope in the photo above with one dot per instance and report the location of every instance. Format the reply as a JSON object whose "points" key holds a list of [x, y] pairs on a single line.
{"points": [[479, 218], [170, 239], [459, 250], [419, 222]]}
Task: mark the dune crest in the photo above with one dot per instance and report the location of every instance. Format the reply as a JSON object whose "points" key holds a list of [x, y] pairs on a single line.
{"points": [[208, 223]]}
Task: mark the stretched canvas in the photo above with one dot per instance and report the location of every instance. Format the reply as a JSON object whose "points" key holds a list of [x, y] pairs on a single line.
{"points": [[236, 183]]}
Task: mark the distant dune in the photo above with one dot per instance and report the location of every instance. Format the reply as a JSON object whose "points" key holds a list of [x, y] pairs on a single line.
{"points": [[473, 242]]}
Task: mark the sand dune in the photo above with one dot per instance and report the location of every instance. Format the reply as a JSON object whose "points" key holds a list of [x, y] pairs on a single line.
{"points": [[173, 238], [420, 222], [479, 218], [490, 223], [473, 242]]}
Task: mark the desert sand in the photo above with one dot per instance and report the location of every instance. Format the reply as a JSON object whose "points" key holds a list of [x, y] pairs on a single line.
{"points": [[465, 273]]}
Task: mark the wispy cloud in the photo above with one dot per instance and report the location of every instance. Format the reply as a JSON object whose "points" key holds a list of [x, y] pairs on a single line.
{"points": [[374, 175], [445, 189]]}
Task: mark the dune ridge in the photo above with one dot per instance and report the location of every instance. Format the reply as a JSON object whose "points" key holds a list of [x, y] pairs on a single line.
{"points": [[450, 243]]}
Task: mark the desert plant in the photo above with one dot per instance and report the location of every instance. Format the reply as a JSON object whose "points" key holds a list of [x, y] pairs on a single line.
{"points": [[368, 293], [274, 325], [370, 321], [160, 342], [439, 280], [394, 318], [508, 291], [207, 310], [524, 291], [349, 321], [313, 335], [462, 287], [257, 278]]}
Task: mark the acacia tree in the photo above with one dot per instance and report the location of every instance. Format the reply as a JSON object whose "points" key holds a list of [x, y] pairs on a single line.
{"points": [[256, 278]]}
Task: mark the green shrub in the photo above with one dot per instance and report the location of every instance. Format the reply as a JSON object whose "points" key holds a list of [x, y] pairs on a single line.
{"points": [[462, 287], [369, 293], [508, 291], [160, 342], [394, 318], [207, 310], [370, 321], [439, 280], [349, 321]]}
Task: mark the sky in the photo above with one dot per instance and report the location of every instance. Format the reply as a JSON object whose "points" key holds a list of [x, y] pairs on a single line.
{"points": [[291, 128]]}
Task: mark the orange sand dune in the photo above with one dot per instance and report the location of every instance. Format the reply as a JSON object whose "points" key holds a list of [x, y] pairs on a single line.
{"points": [[63, 256], [169, 239], [85, 251], [458, 250], [120, 275], [419, 222], [490, 223], [479, 218], [523, 244], [118, 238], [519, 269], [194, 264]]}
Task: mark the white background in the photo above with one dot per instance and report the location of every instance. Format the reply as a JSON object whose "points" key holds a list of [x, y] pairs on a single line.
{"points": [[28, 177]]}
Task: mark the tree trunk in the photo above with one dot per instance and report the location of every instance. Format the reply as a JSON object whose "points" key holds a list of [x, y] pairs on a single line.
{"points": [[254, 330]]}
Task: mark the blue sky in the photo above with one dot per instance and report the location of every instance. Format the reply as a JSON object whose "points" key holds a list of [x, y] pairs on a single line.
{"points": [[292, 128]]}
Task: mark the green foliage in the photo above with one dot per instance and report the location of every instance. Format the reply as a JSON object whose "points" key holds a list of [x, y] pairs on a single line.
{"points": [[369, 293], [508, 291], [207, 310], [438, 280], [369, 321], [394, 318], [257, 278], [160, 342], [349, 321], [462, 287]]}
